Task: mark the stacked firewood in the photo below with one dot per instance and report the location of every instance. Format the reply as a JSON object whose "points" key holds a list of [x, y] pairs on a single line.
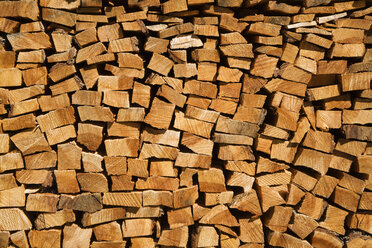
{"points": [[185, 123]]}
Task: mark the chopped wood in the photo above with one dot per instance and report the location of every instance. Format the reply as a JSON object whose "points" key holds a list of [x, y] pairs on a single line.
{"points": [[173, 123]]}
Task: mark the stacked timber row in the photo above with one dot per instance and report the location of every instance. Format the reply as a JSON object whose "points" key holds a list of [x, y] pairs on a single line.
{"points": [[185, 123]]}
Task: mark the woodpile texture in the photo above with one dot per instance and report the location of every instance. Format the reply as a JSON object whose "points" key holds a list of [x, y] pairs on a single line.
{"points": [[185, 123]]}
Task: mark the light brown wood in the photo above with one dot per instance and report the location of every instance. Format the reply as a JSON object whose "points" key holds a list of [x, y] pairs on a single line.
{"points": [[322, 237], [160, 114], [59, 218], [73, 233], [174, 237], [137, 227], [302, 225], [66, 181], [102, 216], [29, 142], [22, 41], [110, 232]]}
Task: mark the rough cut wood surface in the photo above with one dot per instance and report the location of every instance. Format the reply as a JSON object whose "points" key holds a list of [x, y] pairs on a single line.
{"points": [[185, 123]]}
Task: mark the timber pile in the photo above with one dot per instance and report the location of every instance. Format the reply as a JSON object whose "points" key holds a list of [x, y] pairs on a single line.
{"points": [[185, 123]]}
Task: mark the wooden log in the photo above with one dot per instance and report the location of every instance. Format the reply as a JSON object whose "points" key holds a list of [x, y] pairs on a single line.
{"points": [[354, 148], [295, 195], [36, 56], [284, 240], [7, 59], [10, 77], [61, 71], [324, 92], [74, 233], [264, 61], [174, 237], [318, 140], [211, 180], [99, 59], [247, 202], [346, 198], [9, 26], [92, 182], [160, 114], [90, 51], [191, 125], [262, 28], [285, 86], [185, 197], [110, 232], [168, 137], [29, 142], [7, 181], [102, 216], [138, 167], [237, 50], [163, 168], [278, 218], [356, 81], [312, 206], [69, 156], [232, 139], [27, 10], [325, 186], [277, 178], [42, 202], [312, 159], [56, 118], [302, 225], [230, 126], [357, 132], [334, 220], [158, 151], [107, 33], [95, 113], [14, 197], [157, 198], [347, 50], [34, 41], [137, 227], [92, 162], [219, 214], [66, 181], [158, 183], [172, 95], [197, 144], [269, 197], [19, 239], [14, 219], [205, 236], [69, 85], [18, 123], [156, 45], [321, 237], [89, 135], [59, 218], [193, 160], [180, 217], [132, 199], [233, 152], [58, 16], [129, 129], [115, 165], [241, 180], [87, 202], [61, 134], [24, 107]]}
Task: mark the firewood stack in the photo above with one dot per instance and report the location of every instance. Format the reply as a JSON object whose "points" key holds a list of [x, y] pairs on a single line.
{"points": [[185, 123]]}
